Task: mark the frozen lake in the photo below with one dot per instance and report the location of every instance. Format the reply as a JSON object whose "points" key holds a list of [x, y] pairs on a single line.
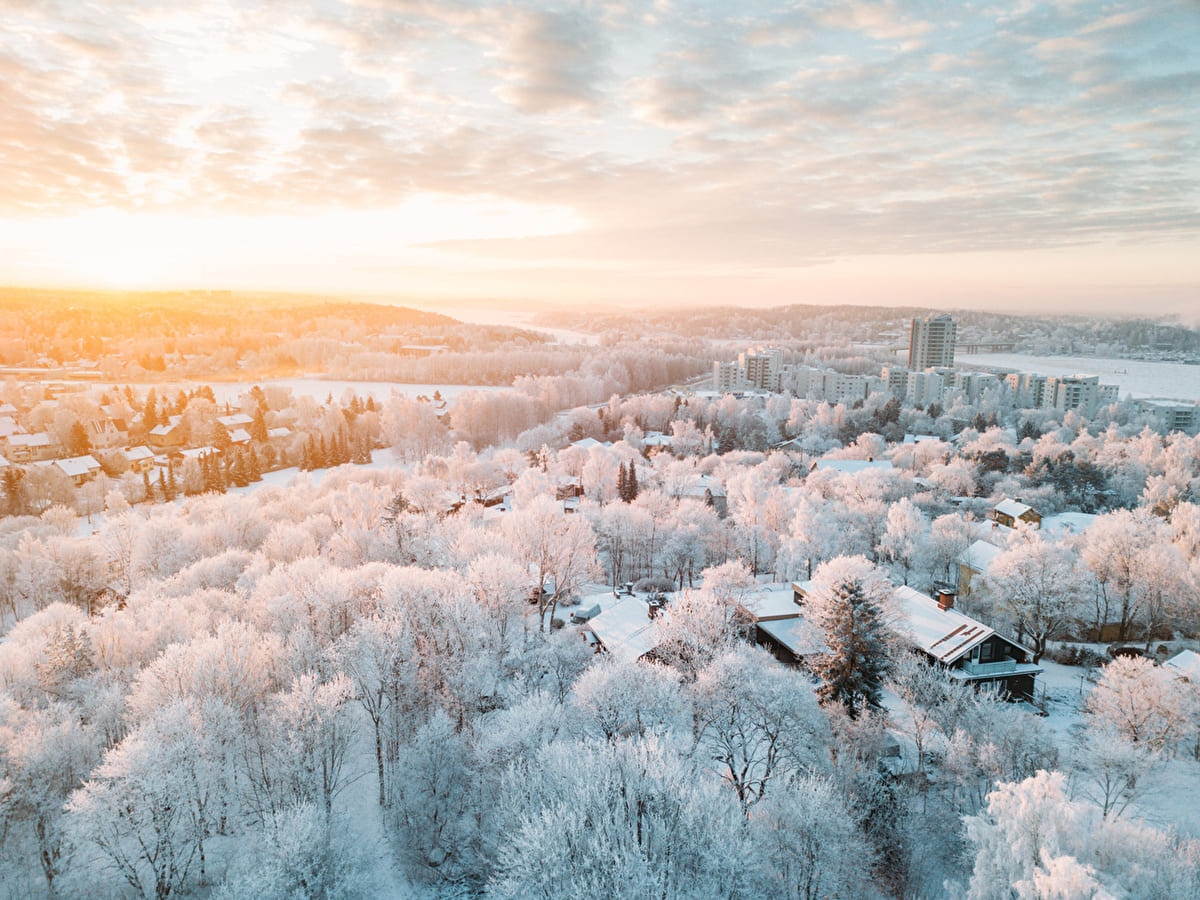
{"points": [[1136, 378]]}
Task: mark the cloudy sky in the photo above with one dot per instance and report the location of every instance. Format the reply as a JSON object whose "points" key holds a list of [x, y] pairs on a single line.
{"points": [[945, 154]]}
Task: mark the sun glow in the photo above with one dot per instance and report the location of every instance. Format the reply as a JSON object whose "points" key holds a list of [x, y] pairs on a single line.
{"points": [[117, 249]]}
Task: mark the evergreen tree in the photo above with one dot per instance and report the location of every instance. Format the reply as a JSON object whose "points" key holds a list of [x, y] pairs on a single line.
{"points": [[253, 466], [14, 491], [172, 490], [622, 484], [150, 411], [78, 442], [850, 601], [631, 482], [146, 486], [258, 428]]}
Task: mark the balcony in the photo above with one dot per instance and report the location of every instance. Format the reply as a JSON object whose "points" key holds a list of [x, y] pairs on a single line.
{"points": [[1000, 667]]}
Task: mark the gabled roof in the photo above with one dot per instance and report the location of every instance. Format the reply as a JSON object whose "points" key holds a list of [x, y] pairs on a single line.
{"points": [[8, 426], [239, 436], [40, 439], [163, 430], [235, 420], [980, 556], [1014, 508], [1186, 663], [77, 465], [945, 634], [133, 454], [626, 629]]}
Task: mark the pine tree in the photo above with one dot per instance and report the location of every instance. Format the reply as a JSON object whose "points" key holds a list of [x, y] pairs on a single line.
{"points": [[258, 428], [172, 486], [622, 484], [150, 411], [253, 466], [849, 602], [631, 482], [147, 487], [14, 491]]}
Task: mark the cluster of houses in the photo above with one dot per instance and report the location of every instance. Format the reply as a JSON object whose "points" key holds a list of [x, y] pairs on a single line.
{"points": [[967, 649], [108, 437]]}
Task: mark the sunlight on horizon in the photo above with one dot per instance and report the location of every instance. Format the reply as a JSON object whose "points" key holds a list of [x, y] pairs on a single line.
{"points": [[118, 249]]}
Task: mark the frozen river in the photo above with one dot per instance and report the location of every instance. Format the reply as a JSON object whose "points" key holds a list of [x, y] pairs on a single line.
{"points": [[1136, 378]]}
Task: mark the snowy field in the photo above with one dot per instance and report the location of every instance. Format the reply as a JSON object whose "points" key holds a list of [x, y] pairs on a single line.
{"points": [[1136, 378]]}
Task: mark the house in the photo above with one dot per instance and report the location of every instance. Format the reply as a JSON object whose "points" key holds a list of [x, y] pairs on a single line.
{"points": [[1185, 664], [1008, 512], [80, 469], [627, 630], [167, 437], [140, 459], [31, 447], [8, 427], [976, 560], [969, 650], [237, 420], [778, 624], [239, 437]]}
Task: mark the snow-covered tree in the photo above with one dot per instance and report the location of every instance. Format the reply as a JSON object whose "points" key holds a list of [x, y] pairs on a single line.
{"points": [[850, 601]]}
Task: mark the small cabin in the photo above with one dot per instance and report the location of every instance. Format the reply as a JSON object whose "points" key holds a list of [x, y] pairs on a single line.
{"points": [[1008, 512]]}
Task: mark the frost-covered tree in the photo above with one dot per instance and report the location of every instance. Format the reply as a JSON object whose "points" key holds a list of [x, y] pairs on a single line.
{"points": [[1039, 582], [1141, 702], [850, 601]]}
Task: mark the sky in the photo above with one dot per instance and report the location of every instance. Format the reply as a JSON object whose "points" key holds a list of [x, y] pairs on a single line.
{"points": [[1013, 155]]}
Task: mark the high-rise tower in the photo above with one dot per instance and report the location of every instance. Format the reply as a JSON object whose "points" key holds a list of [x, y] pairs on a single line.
{"points": [[932, 343]]}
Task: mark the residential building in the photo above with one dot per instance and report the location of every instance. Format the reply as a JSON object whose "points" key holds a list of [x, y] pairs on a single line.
{"points": [[1172, 415], [969, 650], [925, 388], [1008, 512], [931, 343]]}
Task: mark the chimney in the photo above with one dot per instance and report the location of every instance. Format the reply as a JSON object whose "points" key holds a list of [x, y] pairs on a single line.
{"points": [[945, 599]]}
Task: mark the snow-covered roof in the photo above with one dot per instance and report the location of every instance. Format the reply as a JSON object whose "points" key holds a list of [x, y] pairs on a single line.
{"points": [[626, 629], [133, 454], [945, 634], [197, 452], [588, 443], [9, 426], [921, 438], [980, 556], [239, 436], [854, 466], [162, 430], [280, 432], [798, 635], [657, 439], [774, 602], [40, 439], [1014, 508], [1186, 663], [235, 421], [77, 465], [3, 462]]}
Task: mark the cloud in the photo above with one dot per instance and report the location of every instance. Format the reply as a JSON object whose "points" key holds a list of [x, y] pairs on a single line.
{"points": [[732, 135]]}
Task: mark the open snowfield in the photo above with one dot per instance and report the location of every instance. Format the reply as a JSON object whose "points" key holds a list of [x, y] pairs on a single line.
{"points": [[1136, 378]]}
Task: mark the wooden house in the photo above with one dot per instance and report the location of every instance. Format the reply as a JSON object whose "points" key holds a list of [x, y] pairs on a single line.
{"points": [[1008, 512], [969, 650]]}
